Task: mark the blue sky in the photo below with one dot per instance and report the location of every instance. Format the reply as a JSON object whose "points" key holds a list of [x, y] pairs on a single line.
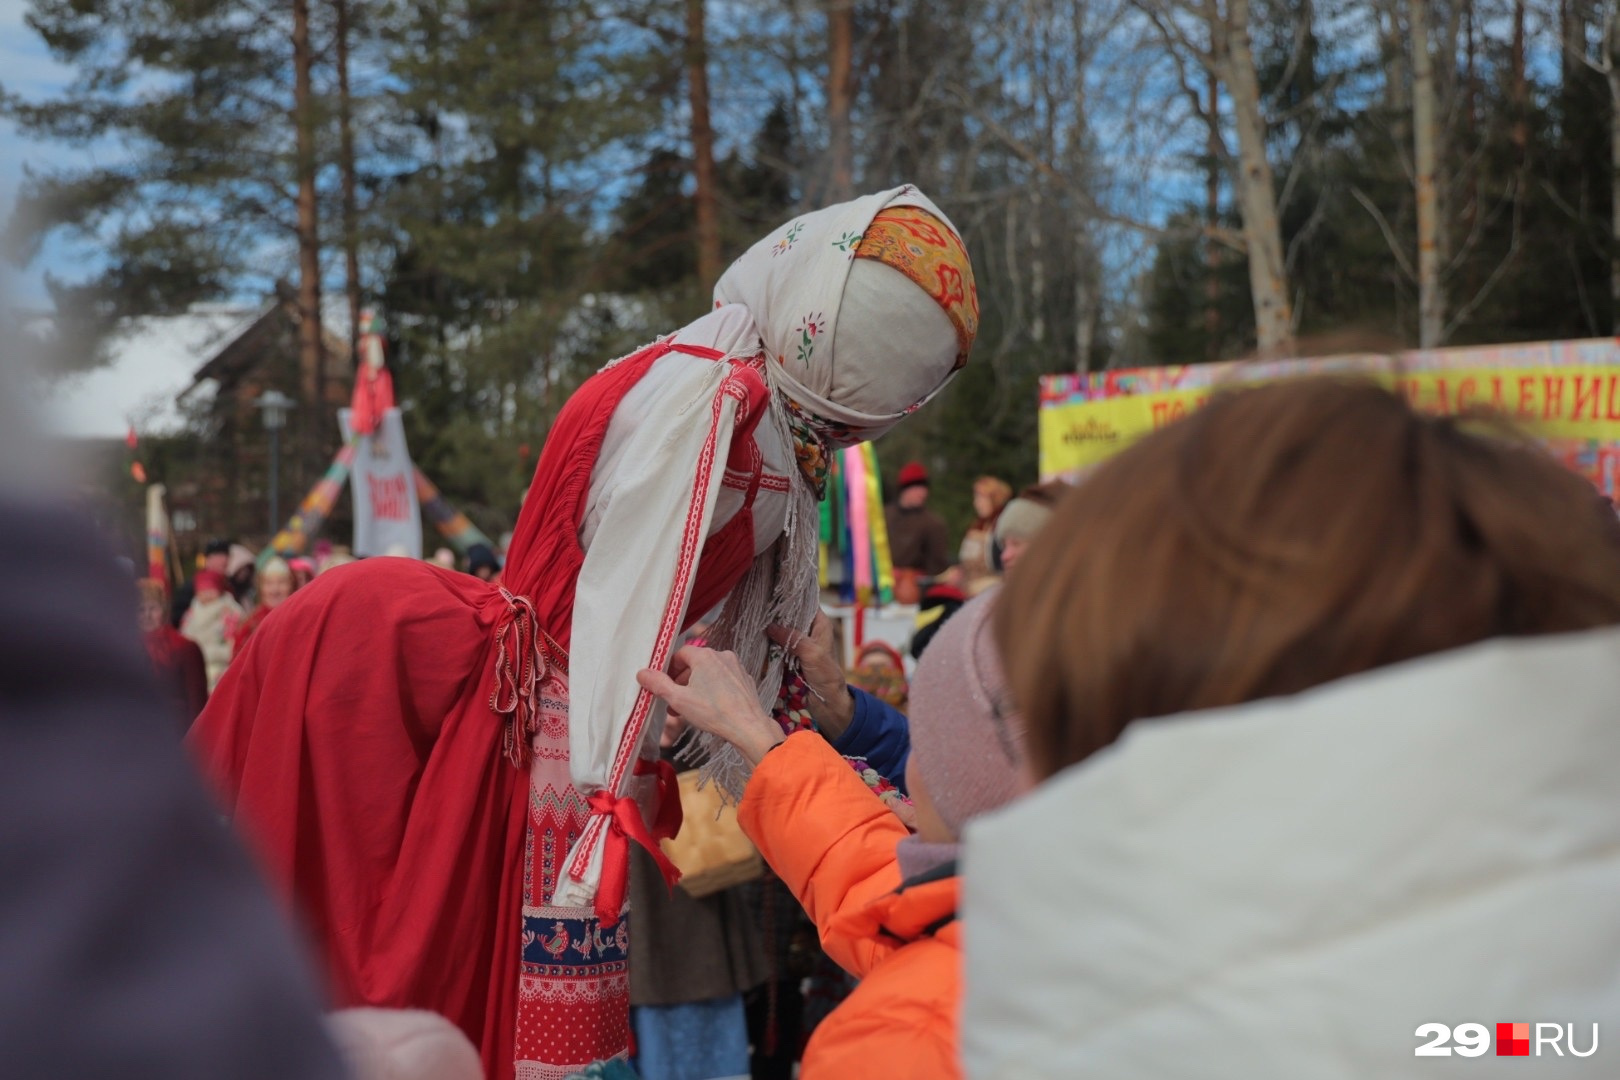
{"points": [[1151, 175], [26, 68]]}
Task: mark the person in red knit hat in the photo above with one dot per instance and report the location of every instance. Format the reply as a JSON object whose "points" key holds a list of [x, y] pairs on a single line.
{"points": [[176, 659], [880, 670], [211, 621], [918, 539]]}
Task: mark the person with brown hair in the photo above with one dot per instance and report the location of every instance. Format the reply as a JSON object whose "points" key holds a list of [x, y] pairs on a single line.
{"points": [[1321, 696], [990, 495]]}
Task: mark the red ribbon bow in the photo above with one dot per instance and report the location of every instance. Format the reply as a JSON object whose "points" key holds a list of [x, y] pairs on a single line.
{"points": [[624, 825]]}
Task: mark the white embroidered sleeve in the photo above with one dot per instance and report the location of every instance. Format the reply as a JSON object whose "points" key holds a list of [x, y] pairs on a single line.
{"points": [[644, 531]]}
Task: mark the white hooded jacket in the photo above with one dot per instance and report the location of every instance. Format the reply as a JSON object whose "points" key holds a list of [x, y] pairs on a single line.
{"points": [[1290, 888]]}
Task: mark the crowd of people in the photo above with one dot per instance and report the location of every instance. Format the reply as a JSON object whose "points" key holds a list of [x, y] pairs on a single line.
{"points": [[1357, 672], [192, 633], [1284, 734]]}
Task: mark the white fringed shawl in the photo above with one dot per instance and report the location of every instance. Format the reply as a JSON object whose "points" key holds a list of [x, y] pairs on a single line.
{"points": [[657, 487]]}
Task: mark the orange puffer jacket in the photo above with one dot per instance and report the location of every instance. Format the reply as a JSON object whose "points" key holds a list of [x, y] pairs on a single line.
{"points": [[833, 843]]}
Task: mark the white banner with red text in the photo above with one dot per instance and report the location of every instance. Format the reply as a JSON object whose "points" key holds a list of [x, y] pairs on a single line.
{"points": [[387, 518]]}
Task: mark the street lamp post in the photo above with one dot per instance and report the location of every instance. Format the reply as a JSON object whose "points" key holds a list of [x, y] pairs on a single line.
{"points": [[273, 407]]}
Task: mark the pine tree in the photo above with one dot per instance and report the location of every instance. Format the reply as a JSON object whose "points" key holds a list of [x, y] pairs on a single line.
{"points": [[513, 118], [197, 200]]}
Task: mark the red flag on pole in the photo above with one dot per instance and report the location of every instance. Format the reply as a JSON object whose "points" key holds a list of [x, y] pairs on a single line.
{"points": [[373, 385]]}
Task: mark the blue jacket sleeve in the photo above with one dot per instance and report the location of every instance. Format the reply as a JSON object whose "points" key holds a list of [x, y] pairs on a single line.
{"points": [[879, 733]]}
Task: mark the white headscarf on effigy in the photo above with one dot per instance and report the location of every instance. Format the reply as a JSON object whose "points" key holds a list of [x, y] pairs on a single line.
{"points": [[849, 346]]}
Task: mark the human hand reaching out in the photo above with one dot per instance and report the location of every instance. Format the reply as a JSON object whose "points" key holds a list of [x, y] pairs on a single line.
{"points": [[831, 707], [710, 691]]}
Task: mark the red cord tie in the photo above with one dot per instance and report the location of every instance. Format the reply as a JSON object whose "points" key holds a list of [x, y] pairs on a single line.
{"points": [[625, 824], [519, 666]]}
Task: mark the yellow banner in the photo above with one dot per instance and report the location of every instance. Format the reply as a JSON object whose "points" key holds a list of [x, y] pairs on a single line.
{"points": [[1564, 402]]}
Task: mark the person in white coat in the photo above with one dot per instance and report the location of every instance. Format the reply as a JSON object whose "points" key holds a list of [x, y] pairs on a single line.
{"points": [[1321, 695]]}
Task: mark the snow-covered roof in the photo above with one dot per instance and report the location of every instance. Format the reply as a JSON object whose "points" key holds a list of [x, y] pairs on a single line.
{"points": [[150, 361]]}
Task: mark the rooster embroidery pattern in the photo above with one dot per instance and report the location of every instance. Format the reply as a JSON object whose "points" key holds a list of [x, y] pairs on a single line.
{"points": [[572, 943], [557, 944]]}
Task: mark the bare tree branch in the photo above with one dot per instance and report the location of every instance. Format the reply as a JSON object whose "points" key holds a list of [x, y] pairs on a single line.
{"points": [[1301, 30], [1389, 233], [1228, 237], [1303, 236], [1482, 222], [1297, 166], [1466, 312], [1177, 45]]}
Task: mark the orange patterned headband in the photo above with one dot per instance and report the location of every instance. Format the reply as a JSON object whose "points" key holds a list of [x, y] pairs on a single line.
{"points": [[920, 246]]}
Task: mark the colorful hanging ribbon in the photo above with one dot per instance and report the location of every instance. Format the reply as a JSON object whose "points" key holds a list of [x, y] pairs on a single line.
{"points": [[826, 509], [854, 535], [306, 522], [452, 524], [157, 537], [846, 545], [882, 561], [860, 527]]}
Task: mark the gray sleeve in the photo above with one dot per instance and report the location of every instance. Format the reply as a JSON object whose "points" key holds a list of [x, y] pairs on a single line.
{"points": [[136, 940]]}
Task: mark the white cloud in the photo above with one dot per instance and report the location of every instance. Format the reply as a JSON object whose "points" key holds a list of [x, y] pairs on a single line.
{"points": [[150, 361], [27, 65]]}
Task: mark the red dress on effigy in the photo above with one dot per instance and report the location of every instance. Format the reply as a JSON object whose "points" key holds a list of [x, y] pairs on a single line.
{"points": [[365, 742]]}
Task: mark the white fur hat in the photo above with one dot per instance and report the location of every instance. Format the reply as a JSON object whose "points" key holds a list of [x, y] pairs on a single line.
{"points": [[1021, 519]]}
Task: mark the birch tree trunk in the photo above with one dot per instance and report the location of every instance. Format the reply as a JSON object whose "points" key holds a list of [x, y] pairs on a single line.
{"points": [[1425, 135], [1256, 189], [840, 94], [706, 204], [311, 355]]}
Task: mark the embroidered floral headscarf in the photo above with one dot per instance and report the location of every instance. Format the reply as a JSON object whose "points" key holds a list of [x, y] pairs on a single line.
{"points": [[862, 312], [865, 309]]}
